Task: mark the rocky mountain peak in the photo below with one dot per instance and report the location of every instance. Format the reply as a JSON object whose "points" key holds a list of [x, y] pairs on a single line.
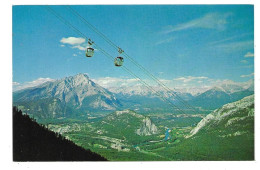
{"points": [[78, 80], [78, 93], [229, 86], [81, 76]]}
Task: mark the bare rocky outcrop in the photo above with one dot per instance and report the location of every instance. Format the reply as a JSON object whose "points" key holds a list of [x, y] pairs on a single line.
{"points": [[147, 128]]}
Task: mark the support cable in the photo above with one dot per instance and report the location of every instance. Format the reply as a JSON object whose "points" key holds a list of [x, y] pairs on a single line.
{"points": [[172, 93], [108, 55]]}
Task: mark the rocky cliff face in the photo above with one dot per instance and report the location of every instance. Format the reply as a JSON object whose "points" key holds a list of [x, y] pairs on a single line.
{"points": [[234, 118], [147, 128]]}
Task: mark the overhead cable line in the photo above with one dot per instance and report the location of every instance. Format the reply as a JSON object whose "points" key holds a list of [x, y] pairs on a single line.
{"points": [[108, 55], [186, 104], [125, 68], [143, 82]]}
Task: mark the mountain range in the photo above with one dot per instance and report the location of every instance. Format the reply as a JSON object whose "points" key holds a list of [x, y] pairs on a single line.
{"points": [[226, 92], [78, 95], [200, 98]]}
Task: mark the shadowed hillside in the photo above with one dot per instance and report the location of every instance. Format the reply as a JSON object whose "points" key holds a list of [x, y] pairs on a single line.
{"points": [[33, 142]]}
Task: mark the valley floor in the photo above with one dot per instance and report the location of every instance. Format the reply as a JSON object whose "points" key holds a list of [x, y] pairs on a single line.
{"points": [[170, 143]]}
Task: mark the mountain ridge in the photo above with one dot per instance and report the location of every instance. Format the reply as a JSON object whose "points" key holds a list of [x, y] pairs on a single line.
{"points": [[144, 127], [228, 110], [76, 95], [70, 93]]}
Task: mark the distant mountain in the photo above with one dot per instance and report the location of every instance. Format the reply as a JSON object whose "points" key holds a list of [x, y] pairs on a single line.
{"points": [[145, 100], [75, 96], [69, 96], [141, 98], [141, 90], [33, 142], [230, 87], [226, 92], [227, 86]]}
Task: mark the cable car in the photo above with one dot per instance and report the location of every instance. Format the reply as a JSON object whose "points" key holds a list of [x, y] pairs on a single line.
{"points": [[90, 50], [119, 60]]}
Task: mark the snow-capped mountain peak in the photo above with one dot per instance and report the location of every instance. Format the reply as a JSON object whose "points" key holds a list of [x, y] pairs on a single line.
{"points": [[78, 92], [230, 86]]}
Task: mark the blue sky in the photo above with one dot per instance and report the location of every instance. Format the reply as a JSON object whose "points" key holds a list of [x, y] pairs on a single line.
{"points": [[183, 45]]}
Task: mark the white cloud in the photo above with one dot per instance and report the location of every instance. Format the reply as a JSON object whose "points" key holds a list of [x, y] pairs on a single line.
{"points": [[209, 21], [72, 40], [239, 45], [115, 82], [75, 42], [222, 40], [249, 55], [188, 81], [165, 81], [243, 66], [79, 47], [248, 75], [167, 40], [16, 83], [189, 78], [19, 86], [244, 61], [229, 39], [75, 55]]}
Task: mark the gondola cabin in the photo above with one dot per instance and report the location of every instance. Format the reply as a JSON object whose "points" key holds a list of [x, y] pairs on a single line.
{"points": [[119, 61], [89, 52]]}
